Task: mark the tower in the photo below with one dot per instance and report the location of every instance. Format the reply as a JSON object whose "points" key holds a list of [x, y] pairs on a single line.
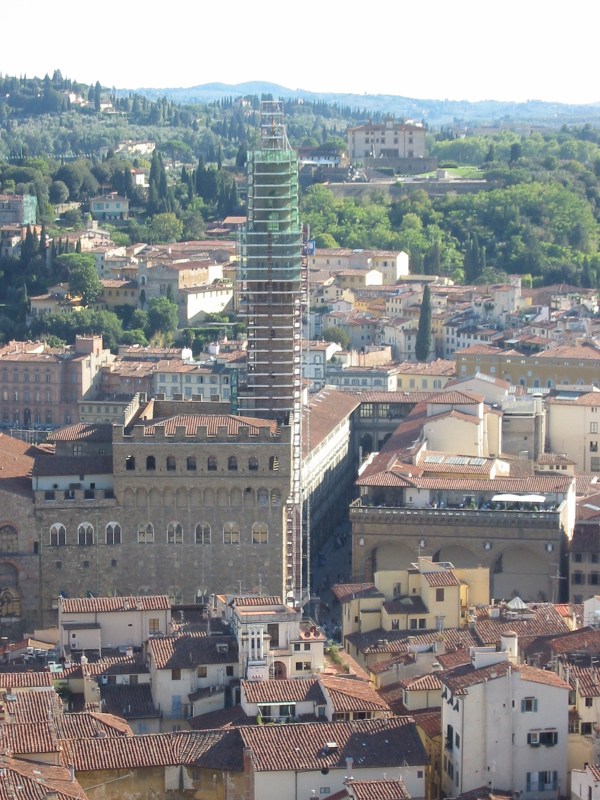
{"points": [[272, 292]]}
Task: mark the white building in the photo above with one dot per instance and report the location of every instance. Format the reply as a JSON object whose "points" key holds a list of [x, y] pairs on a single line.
{"points": [[94, 623], [585, 783], [505, 727]]}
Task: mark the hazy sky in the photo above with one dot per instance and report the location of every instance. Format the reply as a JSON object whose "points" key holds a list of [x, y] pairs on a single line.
{"points": [[432, 49]]}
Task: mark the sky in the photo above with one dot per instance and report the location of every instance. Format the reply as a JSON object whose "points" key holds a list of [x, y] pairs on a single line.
{"points": [[513, 50]]}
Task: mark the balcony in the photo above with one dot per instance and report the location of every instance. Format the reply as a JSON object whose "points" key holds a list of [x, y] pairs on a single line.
{"points": [[367, 510]]}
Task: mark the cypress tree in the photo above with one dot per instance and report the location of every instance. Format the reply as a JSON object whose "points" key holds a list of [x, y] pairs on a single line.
{"points": [[423, 343]]}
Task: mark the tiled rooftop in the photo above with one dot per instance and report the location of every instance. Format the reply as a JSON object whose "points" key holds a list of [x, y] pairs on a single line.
{"points": [[298, 690], [212, 423], [345, 592], [94, 605], [370, 743], [378, 789], [188, 650]]}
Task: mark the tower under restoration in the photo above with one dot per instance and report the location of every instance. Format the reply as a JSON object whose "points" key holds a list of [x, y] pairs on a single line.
{"points": [[272, 291]]}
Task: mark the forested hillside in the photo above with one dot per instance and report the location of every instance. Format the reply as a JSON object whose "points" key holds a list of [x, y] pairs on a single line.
{"points": [[537, 212]]}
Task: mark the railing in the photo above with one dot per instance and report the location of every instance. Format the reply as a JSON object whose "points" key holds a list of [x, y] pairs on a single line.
{"points": [[358, 507]]}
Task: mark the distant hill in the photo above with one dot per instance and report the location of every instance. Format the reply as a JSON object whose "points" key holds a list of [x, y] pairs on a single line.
{"points": [[433, 112]]}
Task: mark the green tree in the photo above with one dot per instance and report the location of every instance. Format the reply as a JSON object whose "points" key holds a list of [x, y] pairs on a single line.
{"points": [[337, 335], [58, 192], [84, 281], [423, 343], [162, 315], [165, 228]]}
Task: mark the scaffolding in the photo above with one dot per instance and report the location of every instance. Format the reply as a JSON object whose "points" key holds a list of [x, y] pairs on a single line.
{"points": [[272, 295]]}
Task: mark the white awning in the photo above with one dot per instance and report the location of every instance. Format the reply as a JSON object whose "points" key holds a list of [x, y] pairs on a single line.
{"points": [[533, 498], [505, 498]]}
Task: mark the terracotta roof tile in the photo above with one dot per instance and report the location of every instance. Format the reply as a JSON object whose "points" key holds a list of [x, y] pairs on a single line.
{"points": [[36, 781], [26, 706], [190, 649], [285, 691], [378, 789], [345, 592], [223, 718], [94, 605], [191, 423], [16, 680], [89, 725], [324, 413], [422, 683], [381, 641], [350, 694], [160, 750], [370, 743], [584, 679], [255, 601], [128, 701], [430, 720], [29, 738], [88, 431], [454, 658], [459, 680], [437, 579], [540, 619]]}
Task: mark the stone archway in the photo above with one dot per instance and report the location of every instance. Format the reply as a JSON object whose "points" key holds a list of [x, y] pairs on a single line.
{"points": [[279, 671], [457, 555], [519, 571]]}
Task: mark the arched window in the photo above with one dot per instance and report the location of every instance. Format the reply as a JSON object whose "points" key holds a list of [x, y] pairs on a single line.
{"points": [[191, 463], [150, 463], [253, 464], [231, 533], [171, 464], [275, 497], [10, 603], [58, 535], [113, 533], [9, 539], [130, 463], [232, 464], [263, 497], [260, 533], [212, 464], [174, 533], [85, 534], [202, 533], [146, 533]]}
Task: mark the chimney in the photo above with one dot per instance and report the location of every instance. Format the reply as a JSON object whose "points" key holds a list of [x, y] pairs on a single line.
{"points": [[349, 765], [71, 769]]}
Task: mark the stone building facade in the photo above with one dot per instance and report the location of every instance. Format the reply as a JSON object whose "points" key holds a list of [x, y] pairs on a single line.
{"points": [[188, 504], [19, 539]]}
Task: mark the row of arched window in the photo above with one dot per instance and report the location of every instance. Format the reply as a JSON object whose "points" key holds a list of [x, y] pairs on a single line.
{"points": [[191, 463], [226, 496], [85, 534], [202, 534]]}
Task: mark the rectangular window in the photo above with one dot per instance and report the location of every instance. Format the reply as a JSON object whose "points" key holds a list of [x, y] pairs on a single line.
{"points": [[593, 427], [153, 625], [439, 595], [176, 674], [529, 704], [202, 671]]}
